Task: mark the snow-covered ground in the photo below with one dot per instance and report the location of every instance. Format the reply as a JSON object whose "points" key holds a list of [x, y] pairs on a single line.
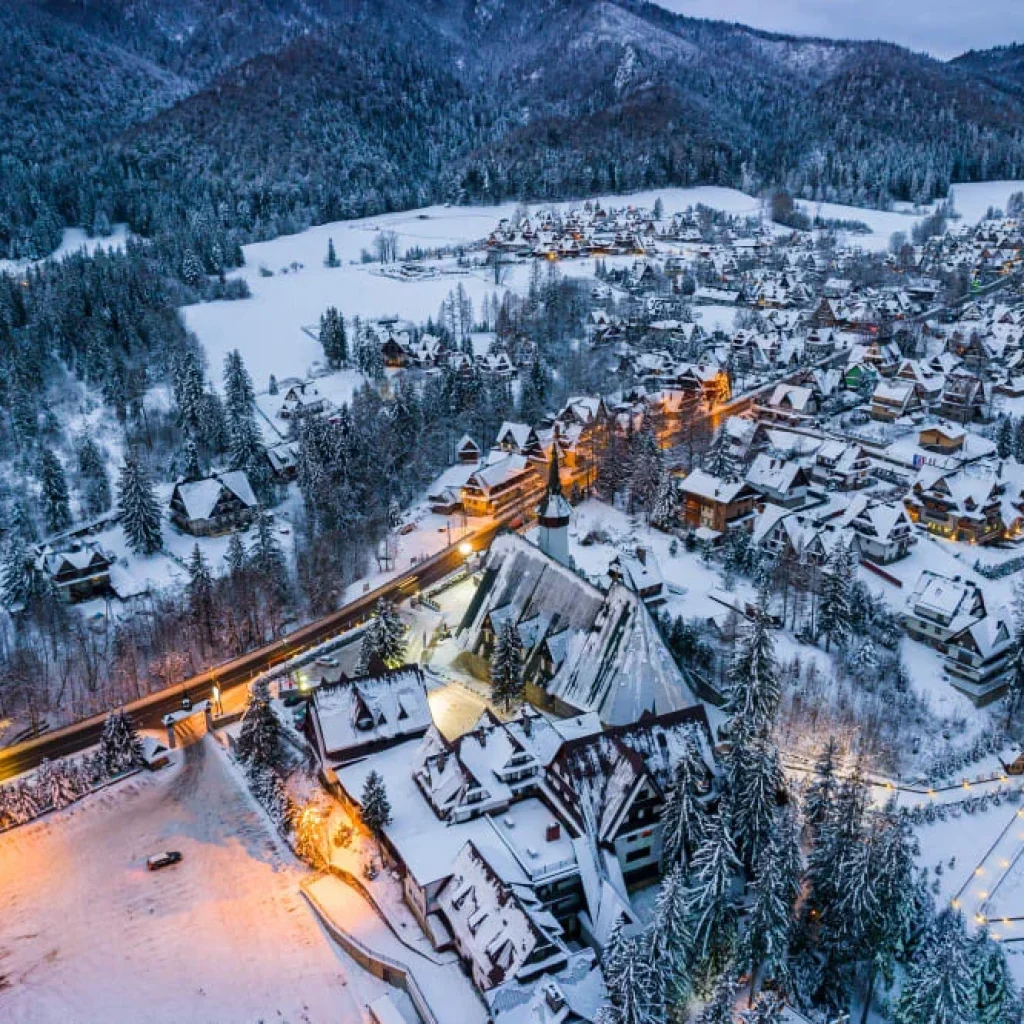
{"points": [[88, 935]]}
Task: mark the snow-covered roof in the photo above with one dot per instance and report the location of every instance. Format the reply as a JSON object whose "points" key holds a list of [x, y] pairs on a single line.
{"points": [[705, 485], [200, 497], [616, 662], [370, 710]]}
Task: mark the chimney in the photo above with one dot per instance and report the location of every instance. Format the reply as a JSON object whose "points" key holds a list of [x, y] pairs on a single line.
{"points": [[553, 833]]}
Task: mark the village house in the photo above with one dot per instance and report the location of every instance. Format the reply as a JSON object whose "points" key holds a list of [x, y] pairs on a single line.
{"points": [[218, 504], [939, 608], [884, 532], [781, 481], [510, 483], [302, 399], [715, 504], [840, 466], [958, 506], [78, 571], [979, 658], [894, 399]]}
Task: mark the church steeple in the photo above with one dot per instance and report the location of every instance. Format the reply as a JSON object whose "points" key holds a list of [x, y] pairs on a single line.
{"points": [[554, 512]]}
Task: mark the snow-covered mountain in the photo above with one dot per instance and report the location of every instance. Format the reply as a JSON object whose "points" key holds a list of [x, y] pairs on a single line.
{"points": [[284, 112]]}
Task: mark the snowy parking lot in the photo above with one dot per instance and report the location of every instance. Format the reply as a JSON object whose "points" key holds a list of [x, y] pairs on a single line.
{"points": [[88, 934]]}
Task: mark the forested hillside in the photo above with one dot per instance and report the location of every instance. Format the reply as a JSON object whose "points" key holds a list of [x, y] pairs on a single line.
{"points": [[260, 116]]}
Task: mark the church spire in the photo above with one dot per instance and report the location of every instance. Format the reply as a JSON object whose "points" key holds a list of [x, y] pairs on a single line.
{"points": [[554, 481]]}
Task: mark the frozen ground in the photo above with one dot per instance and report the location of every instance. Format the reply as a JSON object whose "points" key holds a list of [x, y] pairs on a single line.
{"points": [[88, 935]]}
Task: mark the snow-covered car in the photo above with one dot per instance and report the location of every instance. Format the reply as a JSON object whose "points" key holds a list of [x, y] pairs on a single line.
{"points": [[163, 860], [328, 660]]}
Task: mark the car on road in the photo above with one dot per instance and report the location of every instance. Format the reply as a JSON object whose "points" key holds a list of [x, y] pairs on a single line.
{"points": [[328, 661], [163, 860]]}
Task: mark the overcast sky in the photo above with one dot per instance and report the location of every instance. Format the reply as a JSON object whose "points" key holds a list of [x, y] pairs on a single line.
{"points": [[944, 28]]}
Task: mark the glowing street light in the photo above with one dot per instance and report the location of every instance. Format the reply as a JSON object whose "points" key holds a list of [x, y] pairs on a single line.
{"points": [[465, 549]]}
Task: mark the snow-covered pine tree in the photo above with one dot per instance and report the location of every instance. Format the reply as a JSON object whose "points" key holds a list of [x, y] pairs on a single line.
{"points": [[56, 503], [383, 639], [755, 785], [633, 989], [200, 593], [820, 797], [720, 460], [190, 467], [376, 808], [22, 803], [249, 454], [768, 1009], [239, 394], [683, 816], [259, 739], [332, 255], [265, 555], [720, 1008], [235, 556], [120, 746], [665, 509], [939, 985], [878, 899], [62, 784], [96, 493], [507, 666], [1004, 437], [16, 573], [645, 469], [765, 944], [269, 789], [996, 999], [139, 511], [834, 610], [755, 691], [670, 941], [710, 899], [333, 338]]}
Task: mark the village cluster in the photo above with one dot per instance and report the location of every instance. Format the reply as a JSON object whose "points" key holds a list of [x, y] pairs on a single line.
{"points": [[859, 425]]}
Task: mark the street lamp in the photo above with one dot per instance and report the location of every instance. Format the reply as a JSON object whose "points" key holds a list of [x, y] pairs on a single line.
{"points": [[216, 699], [465, 549]]}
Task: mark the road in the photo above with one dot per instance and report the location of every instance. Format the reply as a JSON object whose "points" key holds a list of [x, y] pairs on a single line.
{"points": [[87, 934], [148, 711]]}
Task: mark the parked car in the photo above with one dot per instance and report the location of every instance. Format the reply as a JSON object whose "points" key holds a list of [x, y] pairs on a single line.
{"points": [[163, 860], [328, 660]]}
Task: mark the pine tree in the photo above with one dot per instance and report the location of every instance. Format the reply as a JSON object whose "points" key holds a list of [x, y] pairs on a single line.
{"points": [[332, 337], [768, 1009], [1004, 437], [645, 472], [834, 612], [633, 996], [754, 691], [939, 985], [265, 556], [259, 739], [383, 640], [765, 944], [200, 593], [712, 905], [507, 666], [755, 783], [139, 511], [239, 394], [56, 503], [721, 1006], [820, 798], [376, 809], [269, 789], [683, 816], [670, 940], [235, 556], [16, 573], [96, 493], [120, 747], [332, 256], [996, 1000], [665, 509], [719, 459], [191, 469]]}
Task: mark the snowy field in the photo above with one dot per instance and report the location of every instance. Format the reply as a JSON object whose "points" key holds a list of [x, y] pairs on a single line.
{"points": [[268, 327], [88, 935]]}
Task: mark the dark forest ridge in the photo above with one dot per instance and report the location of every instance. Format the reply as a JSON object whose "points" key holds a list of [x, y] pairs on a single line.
{"points": [[267, 115]]}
